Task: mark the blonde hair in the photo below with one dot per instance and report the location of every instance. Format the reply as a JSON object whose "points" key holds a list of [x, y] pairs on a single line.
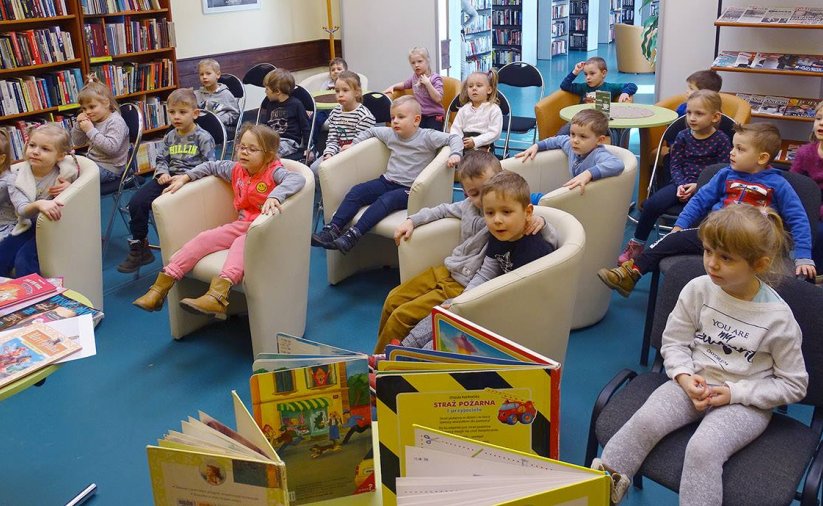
{"points": [[182, 96], [407, 100], [269, 139], [95, 90], [710, 99], [817, 111], [59, 135], [353, 80], [765, 137], [5, 149], [209, 62], [422, 51], [491, 79], [510, 185]]}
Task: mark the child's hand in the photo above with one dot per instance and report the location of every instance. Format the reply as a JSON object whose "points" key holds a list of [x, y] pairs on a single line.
{"points": [[344, 147], [578, 68], [59, 187], [82, 117], [527, 155], [685, 191], [625, 97], [453, 161], [272, 206], [328, 155], [85, 125], [719, 395], [175, 183], [468, 143], [806, 270], [423, 80], [389, 91], [579, 180], [696, 388], [403, 231], [534, 225], [51, 208], [164, 179], [446, 304]]}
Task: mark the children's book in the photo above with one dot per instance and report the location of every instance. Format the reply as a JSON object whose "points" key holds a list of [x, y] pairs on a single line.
{"points": [[312, 403], [773, 106], [801, 107], [603, 101], [15, 291], [445, 469], [209, 463], [26, 350], [51, 309]]}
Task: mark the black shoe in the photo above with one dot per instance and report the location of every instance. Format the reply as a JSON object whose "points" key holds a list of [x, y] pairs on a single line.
{"points": [[139, 254], [326, 236], [346, 242]]}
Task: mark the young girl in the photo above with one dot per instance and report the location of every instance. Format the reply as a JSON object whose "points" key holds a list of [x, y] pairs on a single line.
{"points": [[479, 121], [694, 148], [103, 129], [7, 215], [46, 173], [732, 349], [426, 86], [261, 184], [809, 161], [347, 119]]}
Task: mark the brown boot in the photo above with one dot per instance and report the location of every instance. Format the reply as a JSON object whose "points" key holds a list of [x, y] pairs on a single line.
{"points": [[214, 302], [154, 298]]}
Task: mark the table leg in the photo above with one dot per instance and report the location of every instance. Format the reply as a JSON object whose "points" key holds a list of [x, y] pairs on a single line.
{"points": [[643, 166]]}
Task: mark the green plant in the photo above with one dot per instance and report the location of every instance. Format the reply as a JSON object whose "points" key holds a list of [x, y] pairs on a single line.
{"points": [[648, 44]]}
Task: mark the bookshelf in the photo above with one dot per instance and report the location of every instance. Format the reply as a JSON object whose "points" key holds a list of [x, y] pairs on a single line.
{"points": [[628, 7], [477, 36], [552, 28], [514, 31], [583, 25]]}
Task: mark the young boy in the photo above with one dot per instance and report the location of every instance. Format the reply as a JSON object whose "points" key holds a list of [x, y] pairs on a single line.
{"points": [[184, 147], [748, 180], [284, 113], [589, 160], [595, 70], [336, 66], [412, 149], [216, 97], [700, 80]]}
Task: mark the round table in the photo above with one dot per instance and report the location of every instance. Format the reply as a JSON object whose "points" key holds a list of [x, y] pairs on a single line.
{"points": [[325, 100]]}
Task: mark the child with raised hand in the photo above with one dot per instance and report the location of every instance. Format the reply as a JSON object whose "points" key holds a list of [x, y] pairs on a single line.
{"points": [[732, 397], [749, 179], [411, 149], [479, 120], [215, 96], [8, 217], [589, 160], [694, 148], [809, 161], [184, 147], [594, 69], [46, 173], [700, 80], [285, 114], [103, 129], [427, 87], [261, 184]]}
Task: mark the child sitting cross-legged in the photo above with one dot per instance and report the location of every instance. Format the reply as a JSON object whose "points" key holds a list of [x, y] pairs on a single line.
{"points": [[261, 184], [412, 149], [748, 180], [413, 300]]}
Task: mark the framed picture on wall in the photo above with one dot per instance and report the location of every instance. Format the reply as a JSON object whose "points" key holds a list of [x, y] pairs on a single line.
{"points": [[218, 6]]}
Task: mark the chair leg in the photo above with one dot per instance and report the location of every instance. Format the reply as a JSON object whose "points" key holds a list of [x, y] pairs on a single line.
{"points": [[638, 481], [647, 327], [110, 225]]}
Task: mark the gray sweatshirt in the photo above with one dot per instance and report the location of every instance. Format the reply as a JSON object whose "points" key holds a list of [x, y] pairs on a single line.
{"points": [[598, 161], [221, 102], [108, 142], [410, 156], [177, 153], [288, 183]]}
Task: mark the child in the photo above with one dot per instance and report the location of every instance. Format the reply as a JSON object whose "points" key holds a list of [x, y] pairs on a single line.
{"points": [[809, 161], [347, 119], [284, 113], [595, 70], [589, 160], [184, 147], [729, 381], [700, 80], [427, 88], [215, 96], [479, 121], [408, 305], [694, 148], [748, 180], [103, 129], [7, 215], [412, 149], [261, 184], [336, 67], [46, 173]]}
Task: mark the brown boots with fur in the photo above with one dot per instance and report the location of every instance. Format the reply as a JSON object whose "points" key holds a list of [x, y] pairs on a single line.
{"points": [[213, 303]]}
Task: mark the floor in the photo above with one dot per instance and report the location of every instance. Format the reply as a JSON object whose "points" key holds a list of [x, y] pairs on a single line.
{"points": [[90, 421]]}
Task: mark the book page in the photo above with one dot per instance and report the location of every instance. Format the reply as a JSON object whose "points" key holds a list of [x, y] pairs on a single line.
{"points": [[293, 345], [79, 329]]}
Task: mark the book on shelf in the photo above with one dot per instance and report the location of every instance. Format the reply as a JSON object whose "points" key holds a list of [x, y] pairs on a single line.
{"points": [[772, 15], [207, 462], [131, 77], [35, 47], [731, 14], [753, 14], [773, 61], [114, 6], [773, 106], [807, 16], [16, 9], [34, 93], [801, 107], [123, 34], [780, 15], [766, 61], [28, 349], [56, 307], [25, 288], [312, 402], [444, 469]]}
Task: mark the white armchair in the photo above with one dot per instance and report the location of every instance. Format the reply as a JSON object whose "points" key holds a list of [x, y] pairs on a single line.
{"points": [[315, 82], [530, 305], [276, 257], [601, 210], [363, 162], [71, 247]]}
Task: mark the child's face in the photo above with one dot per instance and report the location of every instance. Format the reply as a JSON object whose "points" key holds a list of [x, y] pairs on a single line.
{"points": [[42, 153], [690, 88], [594, 76], [745, 157], [584, 140], [478, 89], [732, 273], [335, 70], [404, 121], [275, 95], [818, 125], [208, 77], [473, 185], [96, 109], [699, 117], [182, 116], [505, 218], [250, 154], [346, 94], [419, 64]]}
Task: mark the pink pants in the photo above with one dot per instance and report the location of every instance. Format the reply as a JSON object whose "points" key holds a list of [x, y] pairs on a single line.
{"points": [[231, 236]]}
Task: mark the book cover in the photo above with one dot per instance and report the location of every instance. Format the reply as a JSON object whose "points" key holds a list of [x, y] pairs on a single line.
{"points": [[603, 101], [809, 63], [725, 59], [744, 59], [773, 106], [791, 150], [755, 101], [318, 417], [766, 61], [25, 350], [731, 14], [801, 107], [53, 308], [24, 288]]}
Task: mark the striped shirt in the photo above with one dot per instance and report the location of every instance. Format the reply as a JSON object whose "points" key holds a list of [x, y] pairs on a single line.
{"points": [[344, 127]]}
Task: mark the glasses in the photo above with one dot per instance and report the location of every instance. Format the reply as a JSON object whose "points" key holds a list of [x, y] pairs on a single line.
{"points": [[249, 149]]}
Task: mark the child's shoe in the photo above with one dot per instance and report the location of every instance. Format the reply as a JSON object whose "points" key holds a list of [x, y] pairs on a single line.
{"points": [[619, 482], [154, 298], [326, 236], [139, 254], [621, 278], [346, 242], [214, 302], [632, 251]]}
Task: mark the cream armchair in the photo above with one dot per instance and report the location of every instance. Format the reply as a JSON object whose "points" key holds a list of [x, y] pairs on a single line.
{"points": [[276, 284], [363, 162], [529, 305], [602, 212], [70, 247]]}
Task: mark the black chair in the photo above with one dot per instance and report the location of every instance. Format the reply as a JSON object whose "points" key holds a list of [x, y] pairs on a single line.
{"points": [[209, 122], [254, 76], [307, 100], [236, 88], [379, 105], [769, 469], [505, 109], [522, 75]]}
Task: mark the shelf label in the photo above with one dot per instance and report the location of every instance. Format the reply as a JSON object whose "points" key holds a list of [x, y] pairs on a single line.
{"points": [[67, 107], [99, 59]]}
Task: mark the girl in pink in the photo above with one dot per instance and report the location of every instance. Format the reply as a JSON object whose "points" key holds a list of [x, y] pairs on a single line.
{"points": [[427, 88], [261, 184], [809, 161]]}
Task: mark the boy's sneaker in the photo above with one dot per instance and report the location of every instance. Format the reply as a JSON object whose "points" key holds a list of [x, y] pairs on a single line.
{"points": [[621, 278], [619, 482], [346, 242], [632, 251], [326, 236], [139, 254]]}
